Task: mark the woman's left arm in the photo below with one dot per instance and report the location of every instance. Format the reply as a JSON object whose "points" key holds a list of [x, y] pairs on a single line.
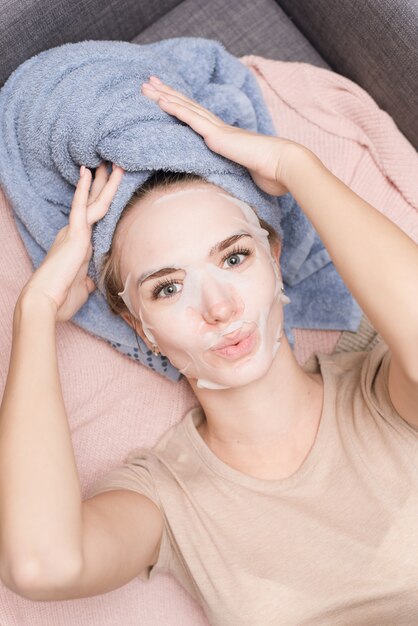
{"points": [[376, 259]]}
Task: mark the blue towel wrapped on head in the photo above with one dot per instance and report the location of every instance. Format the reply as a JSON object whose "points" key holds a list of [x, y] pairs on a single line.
{"points": [[81, 104]]}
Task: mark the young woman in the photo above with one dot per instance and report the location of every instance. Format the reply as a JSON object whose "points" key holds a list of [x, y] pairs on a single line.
{"points": [[289, 496]]}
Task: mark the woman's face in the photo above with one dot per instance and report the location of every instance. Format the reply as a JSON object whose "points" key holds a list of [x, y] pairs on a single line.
{"points": [[199, 275]]}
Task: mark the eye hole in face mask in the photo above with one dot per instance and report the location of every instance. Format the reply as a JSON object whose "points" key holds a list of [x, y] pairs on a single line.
{"points": [[169, 287]]}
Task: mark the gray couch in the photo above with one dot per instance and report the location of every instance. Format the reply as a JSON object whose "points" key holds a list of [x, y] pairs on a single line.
{"points": [[373, 42]]}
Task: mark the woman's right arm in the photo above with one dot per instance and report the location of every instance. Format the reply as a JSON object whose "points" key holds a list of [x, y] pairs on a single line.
{"points": [[40, 497], [52, 545]]}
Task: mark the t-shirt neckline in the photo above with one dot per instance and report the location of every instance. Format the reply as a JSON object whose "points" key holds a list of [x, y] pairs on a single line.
{"points": [[195, 415]]}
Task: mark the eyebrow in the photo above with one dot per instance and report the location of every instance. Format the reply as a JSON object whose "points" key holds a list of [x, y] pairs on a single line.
{"points": [[222, 245]]}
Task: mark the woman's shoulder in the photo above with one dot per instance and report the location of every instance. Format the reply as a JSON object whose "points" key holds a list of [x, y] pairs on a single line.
{"points": [[358, 382], [144, 466], [346, 361], [354, 350], [361, 374], [165, 454]]}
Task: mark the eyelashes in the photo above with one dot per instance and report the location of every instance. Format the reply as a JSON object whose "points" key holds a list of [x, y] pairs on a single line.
{"points": [[235, 251], [167, 282]]}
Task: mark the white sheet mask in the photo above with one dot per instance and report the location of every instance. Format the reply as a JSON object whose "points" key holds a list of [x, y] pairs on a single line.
{"points": [[212, 299]]}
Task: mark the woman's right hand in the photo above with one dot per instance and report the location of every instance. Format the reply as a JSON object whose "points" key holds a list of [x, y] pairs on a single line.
{"points": [[62, 276]]}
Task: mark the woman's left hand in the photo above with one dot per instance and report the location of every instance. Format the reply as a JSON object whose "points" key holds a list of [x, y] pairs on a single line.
{"points": [[266, 157]]}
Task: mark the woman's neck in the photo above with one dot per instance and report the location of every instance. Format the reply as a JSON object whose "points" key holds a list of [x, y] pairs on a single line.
{"points": [[269, 424]]}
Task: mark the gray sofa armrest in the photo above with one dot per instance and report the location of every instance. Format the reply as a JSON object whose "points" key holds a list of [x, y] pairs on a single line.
{"points": [[372, 42]]}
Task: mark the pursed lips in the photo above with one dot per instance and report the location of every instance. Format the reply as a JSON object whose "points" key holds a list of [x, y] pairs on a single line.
{"points": [[232, 339]]}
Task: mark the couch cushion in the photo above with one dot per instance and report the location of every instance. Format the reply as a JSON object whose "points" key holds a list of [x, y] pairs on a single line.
{"points": [[243, 26]]}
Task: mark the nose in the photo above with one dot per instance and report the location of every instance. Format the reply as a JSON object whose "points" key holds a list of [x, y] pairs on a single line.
{"points": [[221, 303]]}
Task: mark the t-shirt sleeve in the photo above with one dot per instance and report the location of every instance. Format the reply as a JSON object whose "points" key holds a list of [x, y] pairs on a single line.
{"points": [[375, 385], [136, 475]]}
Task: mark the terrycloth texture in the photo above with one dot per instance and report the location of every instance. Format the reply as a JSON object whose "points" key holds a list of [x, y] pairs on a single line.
{"points": [[114, 406], [81, 104]]}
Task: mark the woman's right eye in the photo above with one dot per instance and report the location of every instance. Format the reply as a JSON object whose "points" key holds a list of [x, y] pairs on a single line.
{"points": [[166, 289]]}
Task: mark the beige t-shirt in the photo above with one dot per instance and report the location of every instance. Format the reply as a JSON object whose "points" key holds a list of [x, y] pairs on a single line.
{"points": [[334, 543]]}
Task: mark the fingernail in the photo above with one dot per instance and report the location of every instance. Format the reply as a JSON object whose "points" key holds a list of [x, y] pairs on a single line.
{"points": [[155, 79], [148, 86], [82, 170]]}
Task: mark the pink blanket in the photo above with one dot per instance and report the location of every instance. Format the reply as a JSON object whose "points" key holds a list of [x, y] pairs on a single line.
{"points": [[114, 405]]}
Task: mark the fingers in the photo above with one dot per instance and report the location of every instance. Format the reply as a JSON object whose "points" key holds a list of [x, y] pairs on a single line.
{"points": [[100, 206], [100, 179], [198, 118], [82, 213], [155, 89], [158, 91], [90, 284], [169, 92], [78, 213]]}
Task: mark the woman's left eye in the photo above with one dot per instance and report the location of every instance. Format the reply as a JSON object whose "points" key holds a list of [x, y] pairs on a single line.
{"points": [[235, 258]]}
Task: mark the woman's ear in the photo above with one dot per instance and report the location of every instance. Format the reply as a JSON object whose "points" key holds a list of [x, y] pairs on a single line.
{"points": [[276, 248], [129, 319]]}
